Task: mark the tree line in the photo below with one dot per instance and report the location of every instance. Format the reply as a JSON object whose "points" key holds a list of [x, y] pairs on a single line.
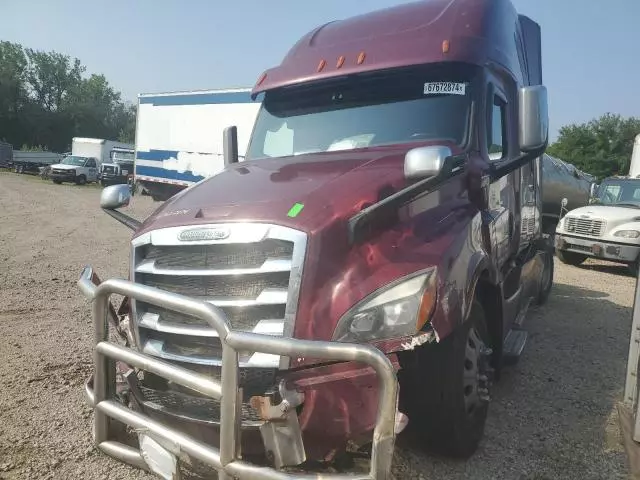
{"points": [[46, 99]]}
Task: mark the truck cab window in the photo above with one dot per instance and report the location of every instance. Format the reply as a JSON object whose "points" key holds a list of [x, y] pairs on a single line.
{"points": [[391, 109], [496, 131], [91, 163]]}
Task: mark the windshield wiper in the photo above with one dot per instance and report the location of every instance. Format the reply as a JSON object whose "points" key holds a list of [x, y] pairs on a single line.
{"points": [[623, 204]]}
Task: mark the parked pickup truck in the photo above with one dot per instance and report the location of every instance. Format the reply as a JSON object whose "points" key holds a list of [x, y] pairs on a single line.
{"points": [[75, 169], [365, 271], [608, 228]]}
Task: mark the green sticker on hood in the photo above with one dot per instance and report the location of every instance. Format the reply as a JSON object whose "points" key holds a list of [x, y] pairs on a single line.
{"points": [[295, 210]]}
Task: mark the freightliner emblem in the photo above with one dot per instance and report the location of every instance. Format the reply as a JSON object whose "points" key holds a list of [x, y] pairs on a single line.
{"points": [[200, 234]]}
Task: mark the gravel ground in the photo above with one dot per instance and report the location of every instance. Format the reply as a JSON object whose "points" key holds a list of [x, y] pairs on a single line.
{"points": [[552, 416]]}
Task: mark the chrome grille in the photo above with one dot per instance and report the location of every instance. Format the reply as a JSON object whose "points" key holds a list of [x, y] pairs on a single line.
{"points": [[222, 286], [220, 256], [253, 275], [243, 318], [528, 226], [592, 227]]}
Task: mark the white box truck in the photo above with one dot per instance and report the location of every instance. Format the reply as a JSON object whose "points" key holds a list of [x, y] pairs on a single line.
{"points": [[97, 148], [83, 165], [179, 136]]}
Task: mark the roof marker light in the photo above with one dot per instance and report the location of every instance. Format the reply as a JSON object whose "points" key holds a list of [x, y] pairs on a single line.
{"points": [[445, 46], [321, 65], [340, 61], [361, 57]]}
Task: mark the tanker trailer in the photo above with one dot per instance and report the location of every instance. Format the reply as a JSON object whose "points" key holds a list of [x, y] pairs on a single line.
{"points": [[561, 180]]}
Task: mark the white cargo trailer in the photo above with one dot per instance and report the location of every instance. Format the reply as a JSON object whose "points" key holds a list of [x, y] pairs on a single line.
{"points": [[179, 136]]}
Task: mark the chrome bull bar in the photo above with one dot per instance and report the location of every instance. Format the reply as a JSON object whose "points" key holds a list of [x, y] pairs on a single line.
{"points": [[224, 460]]}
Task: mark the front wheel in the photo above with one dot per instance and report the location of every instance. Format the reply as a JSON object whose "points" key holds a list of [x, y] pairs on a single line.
{"points": [[570, 258], [444, 389], [81, 180]]}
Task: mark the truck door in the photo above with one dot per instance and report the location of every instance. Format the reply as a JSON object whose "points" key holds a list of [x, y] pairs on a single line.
{"points": [[501, 192]]}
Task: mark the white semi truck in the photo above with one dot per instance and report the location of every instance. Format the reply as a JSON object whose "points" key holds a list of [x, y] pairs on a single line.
{"points": [[608, 228], [179, 136]]}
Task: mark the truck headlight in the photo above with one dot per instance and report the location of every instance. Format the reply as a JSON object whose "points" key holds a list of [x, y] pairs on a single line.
{"points": [[627, 234], [397, 310]]}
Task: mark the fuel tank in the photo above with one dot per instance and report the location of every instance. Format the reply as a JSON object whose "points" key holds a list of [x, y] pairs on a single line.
{"points": [[563, 180]]}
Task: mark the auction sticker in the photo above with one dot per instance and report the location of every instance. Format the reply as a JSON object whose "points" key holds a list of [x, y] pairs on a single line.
{"points": [[450, 88]]}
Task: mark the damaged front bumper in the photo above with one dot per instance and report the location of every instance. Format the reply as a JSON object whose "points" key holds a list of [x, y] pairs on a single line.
{"points": [[162, 444]]}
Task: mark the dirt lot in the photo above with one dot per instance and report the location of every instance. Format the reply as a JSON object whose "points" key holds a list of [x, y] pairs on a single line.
{"points": [[552, 416]]}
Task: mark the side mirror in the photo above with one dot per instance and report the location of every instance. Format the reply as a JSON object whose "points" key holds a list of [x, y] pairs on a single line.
{"points": [[533, 131], [423, 162], [564, 202], [593, 190], [230, 145], [115, 196]]}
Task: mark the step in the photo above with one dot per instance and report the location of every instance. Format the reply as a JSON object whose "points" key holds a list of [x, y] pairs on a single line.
{"points": [[514, 345]]}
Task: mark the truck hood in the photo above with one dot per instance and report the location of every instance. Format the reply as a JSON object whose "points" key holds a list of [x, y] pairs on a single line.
{"points": [[609, 213], [61, 166], [301, 192]]}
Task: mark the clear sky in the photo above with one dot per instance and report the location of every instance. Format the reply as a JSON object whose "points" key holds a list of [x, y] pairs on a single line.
{"points": [[591, 49]]}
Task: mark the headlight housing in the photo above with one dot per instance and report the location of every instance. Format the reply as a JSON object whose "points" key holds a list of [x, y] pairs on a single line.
{"points": [[396, 310], [627, 234]]}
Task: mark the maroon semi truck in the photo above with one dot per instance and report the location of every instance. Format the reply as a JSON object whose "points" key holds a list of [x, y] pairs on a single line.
{"points": [[367, 267]]}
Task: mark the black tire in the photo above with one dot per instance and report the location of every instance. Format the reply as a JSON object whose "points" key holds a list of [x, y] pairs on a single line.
{"points": [[438, 383], [81, 180], [632, 268], [570, 258], [546, 282], [57, 182]]}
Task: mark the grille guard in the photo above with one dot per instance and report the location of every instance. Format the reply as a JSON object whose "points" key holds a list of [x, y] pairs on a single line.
{"points": [[226, 459]]}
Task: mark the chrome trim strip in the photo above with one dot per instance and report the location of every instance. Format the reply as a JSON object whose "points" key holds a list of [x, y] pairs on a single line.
{"points": [[262, 360], [269, 266], [152, 322], [269, 296]]}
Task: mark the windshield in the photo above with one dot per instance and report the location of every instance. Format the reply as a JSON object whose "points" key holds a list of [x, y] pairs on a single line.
{"points": [[72, 160], [366, 111], [622, 192], [119, 157]]}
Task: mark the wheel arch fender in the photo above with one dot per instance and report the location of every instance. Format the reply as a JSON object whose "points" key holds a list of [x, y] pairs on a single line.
{"points": [[483, 286]]}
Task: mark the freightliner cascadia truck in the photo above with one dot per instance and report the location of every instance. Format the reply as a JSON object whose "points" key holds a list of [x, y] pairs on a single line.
{"points": [[365, 271]]}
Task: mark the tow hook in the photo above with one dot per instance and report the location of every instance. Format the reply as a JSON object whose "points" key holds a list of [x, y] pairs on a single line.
{"points": [[281, 433], [288, 400]]}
